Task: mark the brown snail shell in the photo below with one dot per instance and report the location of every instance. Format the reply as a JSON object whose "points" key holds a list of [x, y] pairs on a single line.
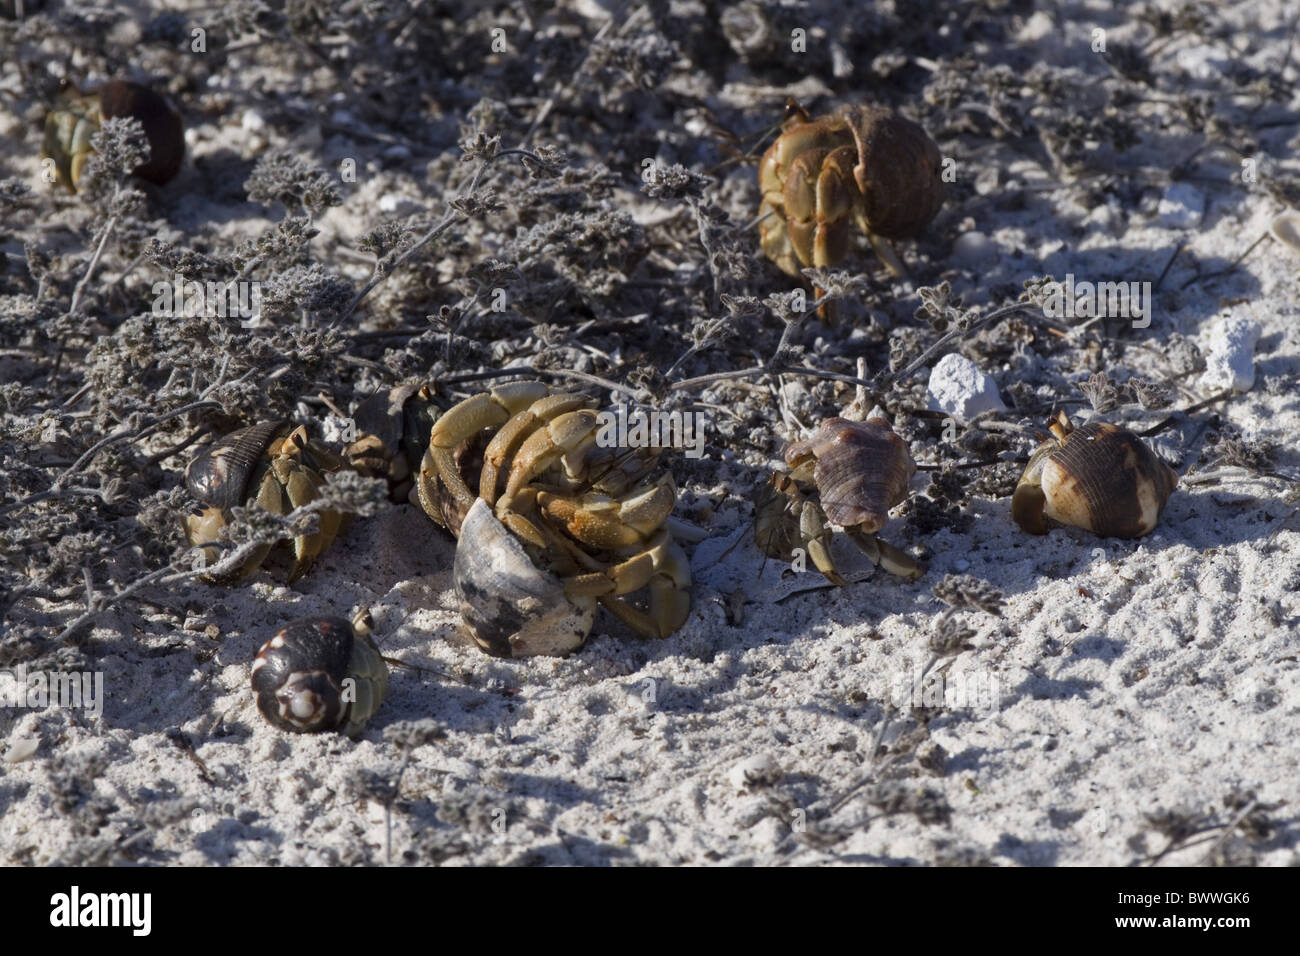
{"points": [[221, 473], [862, 470], [899, 171], [1099, 477], [318, 674], [69, 127], [162, 126]]}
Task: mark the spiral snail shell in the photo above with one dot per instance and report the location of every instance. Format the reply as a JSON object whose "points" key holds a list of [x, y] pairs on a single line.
{"points": [[1097, 476], [318, 674]]}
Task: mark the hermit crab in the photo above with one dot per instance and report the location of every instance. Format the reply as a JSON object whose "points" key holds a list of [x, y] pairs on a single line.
{"points": [[78, 116], [1098, 476], [392, 436], [863, 165], [272, 466], [320, 673], [555, 522], [849, 473]]}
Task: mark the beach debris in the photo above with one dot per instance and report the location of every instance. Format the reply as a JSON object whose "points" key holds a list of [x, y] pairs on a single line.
{"points": [[1286, 229], [758, 770], [272, 466], [847, 474], [320, 673], [78, 116], [21, 749], [1098, 476], [861, 165], [974, 248], [959, 387], [1230, 359], [559, 519]]}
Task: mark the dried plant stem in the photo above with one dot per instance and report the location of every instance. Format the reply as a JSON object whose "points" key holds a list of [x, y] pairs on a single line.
{"points": [[1164, 423], [129, 434], [956, 334], [1228, 830], [94, 262], [640, 395], [48, 495], [98, 605], [890, 713], [452, 218], [768, 370]]}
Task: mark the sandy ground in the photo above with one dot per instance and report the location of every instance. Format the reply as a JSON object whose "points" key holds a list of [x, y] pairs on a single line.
{"points": [[1124, 681]]}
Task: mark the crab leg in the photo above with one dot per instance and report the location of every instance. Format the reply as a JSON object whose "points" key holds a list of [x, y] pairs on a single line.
{"points": [[566, 437], [664, 569], [505, 443], [484, 410], [612, 523], [885, 555]]}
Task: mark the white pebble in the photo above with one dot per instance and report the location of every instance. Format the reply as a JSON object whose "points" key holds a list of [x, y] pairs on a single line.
{"points": [[21, 748], [396, 205], [1230, 361], [958, 387], [1201, 62], [973, 248], [1181, 206], [759, 770]]}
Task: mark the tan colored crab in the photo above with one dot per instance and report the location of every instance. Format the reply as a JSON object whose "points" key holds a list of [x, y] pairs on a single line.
{"points": [[862, 165], [1098, 476], [272, 466], [69, 127], [575, 511], [849, 474]]}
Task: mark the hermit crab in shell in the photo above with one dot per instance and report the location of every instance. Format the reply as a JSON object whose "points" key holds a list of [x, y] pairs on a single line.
{"points": [[550, 523], [320, 673], [849, 473], [1098, 476], [69, 127], [392, 436], [865, 166], [272, 466]]}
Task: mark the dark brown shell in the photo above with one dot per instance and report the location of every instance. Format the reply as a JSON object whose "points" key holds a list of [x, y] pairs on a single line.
{"points": [[898, 173], [220, 474], [162, 126], [1102, 478], [300, 677], [862, 470]]}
